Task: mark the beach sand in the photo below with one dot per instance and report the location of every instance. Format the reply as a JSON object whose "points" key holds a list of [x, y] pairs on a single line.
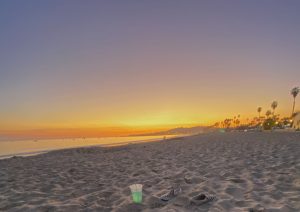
{"points": [[242, 170]]}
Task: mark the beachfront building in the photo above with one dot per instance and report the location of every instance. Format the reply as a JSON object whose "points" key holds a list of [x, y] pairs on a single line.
{"points": [[296, 121]]}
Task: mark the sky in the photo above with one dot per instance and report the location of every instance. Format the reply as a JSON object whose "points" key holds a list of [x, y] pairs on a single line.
{"points": [[144, 65]]}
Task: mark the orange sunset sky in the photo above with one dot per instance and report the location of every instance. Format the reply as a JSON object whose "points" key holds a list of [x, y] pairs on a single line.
{"points": [[117, 68]]}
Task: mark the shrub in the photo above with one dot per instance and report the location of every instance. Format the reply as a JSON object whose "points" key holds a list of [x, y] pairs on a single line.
{"points": [[269, 124]]}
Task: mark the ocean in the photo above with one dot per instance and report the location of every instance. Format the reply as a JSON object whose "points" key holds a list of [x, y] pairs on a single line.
{"points": [[33, 147]]}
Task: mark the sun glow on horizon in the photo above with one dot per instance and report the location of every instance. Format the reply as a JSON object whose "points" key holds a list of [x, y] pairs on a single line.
{"points": [[110, 68]]}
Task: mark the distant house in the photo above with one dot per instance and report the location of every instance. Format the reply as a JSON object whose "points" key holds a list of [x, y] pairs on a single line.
{"points": [[296, 121]]}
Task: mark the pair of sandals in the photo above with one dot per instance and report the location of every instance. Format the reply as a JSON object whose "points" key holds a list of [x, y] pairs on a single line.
{"points": [[199, 199]]}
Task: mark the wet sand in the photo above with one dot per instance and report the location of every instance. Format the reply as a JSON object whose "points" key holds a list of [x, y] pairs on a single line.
{"points": [[244, 171]]}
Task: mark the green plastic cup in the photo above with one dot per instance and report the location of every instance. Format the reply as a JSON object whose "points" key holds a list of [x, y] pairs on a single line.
{"points": [[137, 197], [137, 193]]}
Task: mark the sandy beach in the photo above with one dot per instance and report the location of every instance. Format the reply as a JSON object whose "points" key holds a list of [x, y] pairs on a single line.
{"points": [[244, 171]]}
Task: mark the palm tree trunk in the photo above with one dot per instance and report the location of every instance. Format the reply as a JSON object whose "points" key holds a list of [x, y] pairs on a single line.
{"points": [[293, 106]]}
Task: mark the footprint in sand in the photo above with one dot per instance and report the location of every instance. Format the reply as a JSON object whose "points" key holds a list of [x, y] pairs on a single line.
{"points": [[296, 183], [236, 180], [194, 180], [155, 202], [131, 207], [182, 201], [235, 192], [225, 174]]}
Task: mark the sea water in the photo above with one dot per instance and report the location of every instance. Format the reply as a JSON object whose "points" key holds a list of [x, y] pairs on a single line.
{"points": [[32, 147]]}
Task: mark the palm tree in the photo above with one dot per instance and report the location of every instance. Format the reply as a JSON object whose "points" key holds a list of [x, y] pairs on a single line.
{"points": [[227, 123], [294, 93], [259, 109], [273, 106], [217, 124], [237, 122], [268, 113]]}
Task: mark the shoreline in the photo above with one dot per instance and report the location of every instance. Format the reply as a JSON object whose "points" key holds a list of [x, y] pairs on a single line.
{"points": [[43, 151]]}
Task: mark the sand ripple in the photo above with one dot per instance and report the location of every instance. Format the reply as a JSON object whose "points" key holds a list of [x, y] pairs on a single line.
{"points": [[258, 171]]}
